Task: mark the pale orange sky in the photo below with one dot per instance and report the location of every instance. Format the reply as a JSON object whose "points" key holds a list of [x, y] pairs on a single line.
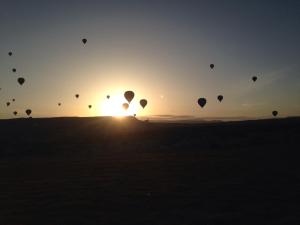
{"points": [[160, 52]]}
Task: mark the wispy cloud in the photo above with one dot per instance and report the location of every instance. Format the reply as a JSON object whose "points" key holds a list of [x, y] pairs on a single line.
{"points": [[250, 105]]}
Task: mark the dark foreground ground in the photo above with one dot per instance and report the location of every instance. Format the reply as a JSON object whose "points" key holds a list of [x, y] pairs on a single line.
{"points": [[105, 171]]}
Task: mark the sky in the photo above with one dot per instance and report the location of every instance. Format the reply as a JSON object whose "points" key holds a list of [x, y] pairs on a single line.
{"points": [[161, 50]]}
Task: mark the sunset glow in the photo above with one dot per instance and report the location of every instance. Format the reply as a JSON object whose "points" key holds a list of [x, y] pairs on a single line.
{"points": [[113, 107]]}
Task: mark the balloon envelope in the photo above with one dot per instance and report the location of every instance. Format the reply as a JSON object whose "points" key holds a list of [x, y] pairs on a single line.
{"points": [[220, 98], [107, 96], [211, 66], [77, 95], [202, 102], [59, 104], [21, 80], [254, 78], [275, 113], [90, 106], [143, 102], [7, 103], [125, 106], [15, 113], [28, 111], [14, 70], [84, 40], [10, 53], [129, 95]]}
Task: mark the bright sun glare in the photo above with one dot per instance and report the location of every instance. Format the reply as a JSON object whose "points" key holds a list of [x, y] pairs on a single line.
{"points": [[113, 107]]}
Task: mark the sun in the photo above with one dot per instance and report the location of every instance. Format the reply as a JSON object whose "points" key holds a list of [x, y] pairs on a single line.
{"points": [[113, 107]]}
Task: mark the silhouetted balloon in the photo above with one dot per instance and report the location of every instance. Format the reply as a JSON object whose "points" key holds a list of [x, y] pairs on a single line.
{"points": [[15, 113], [212, 66], [129, 95], [202, 102], [143, 102], [13, 99], [134, 115], [77, 95], [84, 40], [220, 98], [10, 53], [59, 104], [90, 106], [107, 96], [7, 103], [28, 112], [125, 106], [275, 113], [21, 80], [14, 70], [254, 78]]}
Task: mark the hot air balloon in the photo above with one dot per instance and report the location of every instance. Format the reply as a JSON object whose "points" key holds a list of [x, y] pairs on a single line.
{"points": [[13, 99], [90, 106], [21, 80], [134, 115], [28, 112], [84, 40], [77, 95], [59, 104], [125, 106], [275, 113], [220, 98], [14, 70], [254, 78], [211, 66], [7, 104], [202, 102], [15, 113], [129, 95], [107, 96], [10, 53], [143, 103]]}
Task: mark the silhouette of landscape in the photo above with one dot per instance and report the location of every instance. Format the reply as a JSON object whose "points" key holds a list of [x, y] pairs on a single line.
{"points": [[105, 170]]}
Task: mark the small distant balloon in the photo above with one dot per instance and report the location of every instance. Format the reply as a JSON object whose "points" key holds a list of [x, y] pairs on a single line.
{"points": [[14, 70], [15, 113], [202, 102], [220, 98], [77, 95], [21, 80], [211, 66], [59, 104], [84, 40], [90, 106], [254, 78], [7, 104], [107, 96], [28, 112], [143, 103], [125, 106], [129, 95], [10, 53], [13, 99], [275, 113], [134, 115]]}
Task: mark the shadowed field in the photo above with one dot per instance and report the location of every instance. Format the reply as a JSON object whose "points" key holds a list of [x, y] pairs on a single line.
{"points": [[109, 171]]}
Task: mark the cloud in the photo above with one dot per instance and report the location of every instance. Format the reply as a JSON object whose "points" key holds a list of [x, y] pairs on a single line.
{"points": [[250, 105]]}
